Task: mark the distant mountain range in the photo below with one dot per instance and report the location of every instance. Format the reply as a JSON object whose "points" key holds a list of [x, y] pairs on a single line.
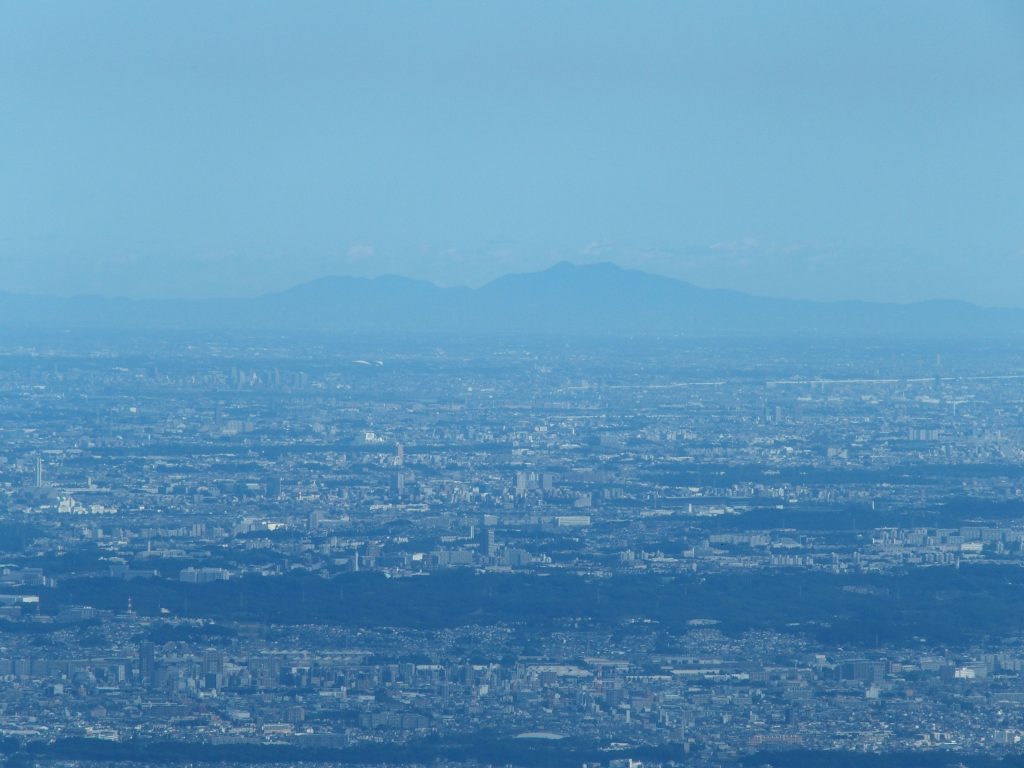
{"points": [[565, 299]]}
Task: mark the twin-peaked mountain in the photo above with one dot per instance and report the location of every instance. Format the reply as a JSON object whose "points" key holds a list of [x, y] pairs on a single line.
{"points": [[565, 299]]}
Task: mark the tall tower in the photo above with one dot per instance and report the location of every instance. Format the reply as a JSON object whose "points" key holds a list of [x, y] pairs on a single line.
{"points": [[39, 471], [213, 668], [147, 661], [488, 544]]}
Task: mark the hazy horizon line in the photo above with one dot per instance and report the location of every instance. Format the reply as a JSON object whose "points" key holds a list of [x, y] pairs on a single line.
{"points": [[474, 287]]}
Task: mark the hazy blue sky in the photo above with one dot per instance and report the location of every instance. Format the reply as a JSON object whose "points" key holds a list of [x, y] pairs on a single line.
{"points": [[819, 149]]}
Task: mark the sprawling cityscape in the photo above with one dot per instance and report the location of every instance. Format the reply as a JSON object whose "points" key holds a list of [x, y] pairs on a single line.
{"points": [[513, 551], [460, 384]]}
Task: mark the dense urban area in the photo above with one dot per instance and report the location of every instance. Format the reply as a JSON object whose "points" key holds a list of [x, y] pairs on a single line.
{"points": [[513, 551]]}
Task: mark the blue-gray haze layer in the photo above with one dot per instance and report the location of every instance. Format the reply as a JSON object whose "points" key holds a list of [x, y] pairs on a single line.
{"points": [[565, 299]]}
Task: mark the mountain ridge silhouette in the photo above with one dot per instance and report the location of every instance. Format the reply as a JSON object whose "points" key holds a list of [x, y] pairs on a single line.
{"points": [[592, 299]]}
